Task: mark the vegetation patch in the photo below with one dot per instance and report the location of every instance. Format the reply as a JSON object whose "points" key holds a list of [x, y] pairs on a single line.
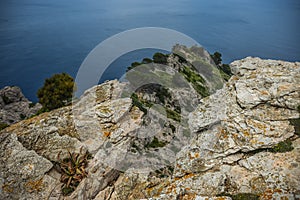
{"points": [[56, 92], [155, 143], [3, 126], [160, 58], [162, 94], [224, 69], [241, 196], [196, 80], [283, 146], [133, 65], [171, 114], [73, 171], [147, 61], [136, 102], [296, 123]]}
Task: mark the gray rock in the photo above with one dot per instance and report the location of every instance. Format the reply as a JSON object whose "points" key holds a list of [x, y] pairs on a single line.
{"points": [[23, 172], [229, 149], [14, 106]]}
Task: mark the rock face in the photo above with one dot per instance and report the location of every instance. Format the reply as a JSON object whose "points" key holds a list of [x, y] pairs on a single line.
{"points": [[14, 106], [242, 143], [240, 131]]}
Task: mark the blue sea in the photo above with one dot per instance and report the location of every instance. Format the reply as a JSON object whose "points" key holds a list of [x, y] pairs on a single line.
{"points": [[39, 38]]}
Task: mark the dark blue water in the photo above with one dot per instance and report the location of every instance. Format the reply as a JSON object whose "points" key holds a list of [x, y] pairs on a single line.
{"points": [[39, 38]]}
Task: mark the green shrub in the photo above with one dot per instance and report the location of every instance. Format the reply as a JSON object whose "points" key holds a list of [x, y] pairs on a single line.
{"points": [[133, 65], [56, 92], [147, 61], [171, 114], [136, 102], [155, 143], [224, 69], [160, 58], [3, 126], [283, 146], [196, 80]]}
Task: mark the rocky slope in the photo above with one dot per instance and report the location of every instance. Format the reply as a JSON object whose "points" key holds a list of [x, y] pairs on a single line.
{"points": [[14, 106], [242, 143]]}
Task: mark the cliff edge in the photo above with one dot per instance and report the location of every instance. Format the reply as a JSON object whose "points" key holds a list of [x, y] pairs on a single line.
{"points": [[243, 142]]}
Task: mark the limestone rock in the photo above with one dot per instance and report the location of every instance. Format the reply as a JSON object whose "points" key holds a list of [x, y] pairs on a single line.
{"points": [[23, 172], [234, 147], [250, 114], [14, 106]]}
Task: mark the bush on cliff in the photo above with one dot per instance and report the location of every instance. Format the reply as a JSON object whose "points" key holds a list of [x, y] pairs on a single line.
{"points": [[224, 69], [56, 92], [160, 58]]}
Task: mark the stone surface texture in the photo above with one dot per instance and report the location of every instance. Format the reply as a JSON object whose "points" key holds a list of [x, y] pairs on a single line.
{"points": [[14, 106], [230, 151]]}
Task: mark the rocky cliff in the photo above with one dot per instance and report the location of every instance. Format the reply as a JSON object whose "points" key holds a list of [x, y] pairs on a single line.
{"points": [[14, 106], [243, 142]]}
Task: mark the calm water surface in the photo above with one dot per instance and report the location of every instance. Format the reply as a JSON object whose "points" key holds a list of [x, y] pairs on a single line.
{"points": [[39, 38]]}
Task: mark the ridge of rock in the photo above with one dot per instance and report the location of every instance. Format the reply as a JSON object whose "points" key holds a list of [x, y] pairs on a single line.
{"points": [[235, 148]]}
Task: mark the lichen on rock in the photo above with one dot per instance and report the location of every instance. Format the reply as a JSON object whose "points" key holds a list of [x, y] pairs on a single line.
{"points": [[241, 142]]}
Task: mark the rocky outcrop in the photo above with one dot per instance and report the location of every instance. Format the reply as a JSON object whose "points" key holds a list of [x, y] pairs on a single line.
{"points": [[242, 136], [14, 106], [240, 144]]}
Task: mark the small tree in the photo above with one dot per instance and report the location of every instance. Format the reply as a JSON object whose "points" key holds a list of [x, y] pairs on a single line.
{"points": [[217, 57], [56, 92]]}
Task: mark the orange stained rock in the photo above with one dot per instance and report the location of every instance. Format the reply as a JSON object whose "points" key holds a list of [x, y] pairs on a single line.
{"points": [[106, 133]]}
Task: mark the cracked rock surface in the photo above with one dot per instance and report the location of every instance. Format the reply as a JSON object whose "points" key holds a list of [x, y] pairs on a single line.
{"points": [[243, 143]]}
